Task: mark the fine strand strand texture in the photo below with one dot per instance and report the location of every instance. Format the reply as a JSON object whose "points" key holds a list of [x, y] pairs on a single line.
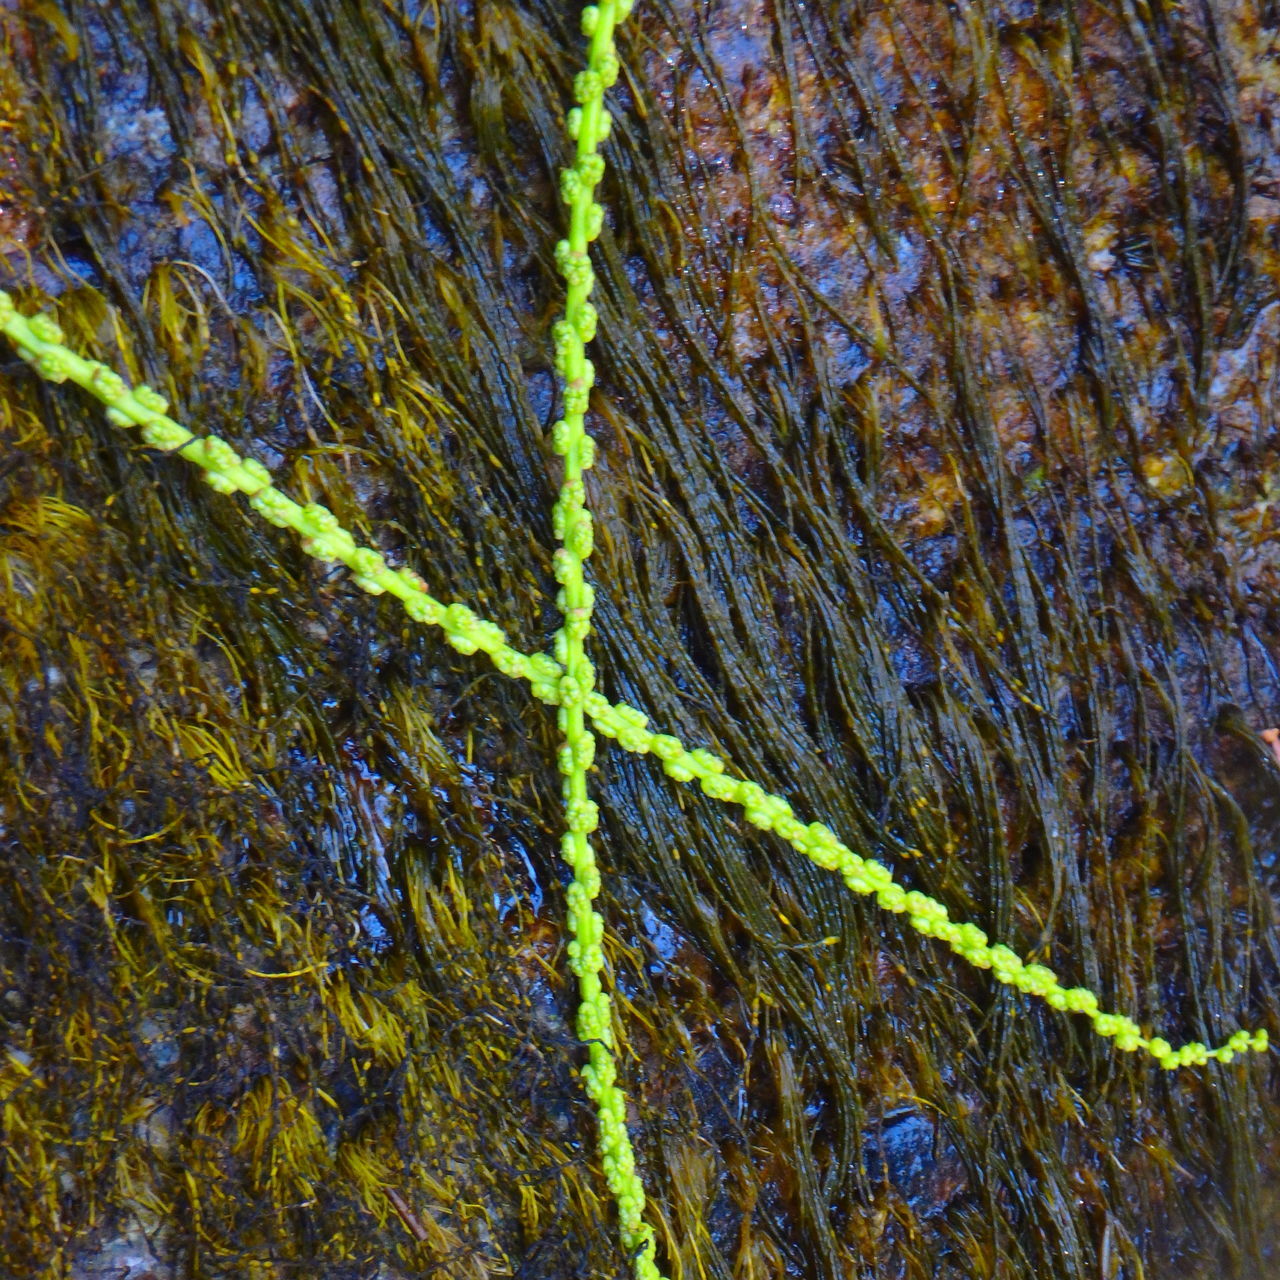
{"points": [[39, 341]]}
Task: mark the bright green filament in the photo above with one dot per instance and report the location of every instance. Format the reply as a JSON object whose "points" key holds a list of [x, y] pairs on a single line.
{"points": [[39, 341], [588, 125]]}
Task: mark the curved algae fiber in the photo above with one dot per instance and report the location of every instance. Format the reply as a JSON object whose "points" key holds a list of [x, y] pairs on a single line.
{"points": [[932, 488]]}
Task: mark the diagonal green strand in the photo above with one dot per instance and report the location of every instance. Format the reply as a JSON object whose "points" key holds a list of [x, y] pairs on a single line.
{"points": [[588, 125], [39, 341]]}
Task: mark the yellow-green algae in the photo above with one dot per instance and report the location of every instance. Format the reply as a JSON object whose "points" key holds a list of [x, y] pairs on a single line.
{"points": [[180, 686], [568, 685]]}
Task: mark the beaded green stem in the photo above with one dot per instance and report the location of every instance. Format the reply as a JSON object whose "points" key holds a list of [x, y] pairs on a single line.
{"points": [[588, 124], [39, 341]]}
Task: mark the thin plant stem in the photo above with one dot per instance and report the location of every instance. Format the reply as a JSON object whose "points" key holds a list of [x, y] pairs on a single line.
{"points": [[588, 126], [39, 341]]}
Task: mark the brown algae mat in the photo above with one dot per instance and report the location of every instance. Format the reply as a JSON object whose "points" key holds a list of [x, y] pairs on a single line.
{"points": [[936, 487]]}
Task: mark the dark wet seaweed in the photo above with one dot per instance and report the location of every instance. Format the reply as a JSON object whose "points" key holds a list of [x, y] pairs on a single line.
{"points": [[937, 482]]}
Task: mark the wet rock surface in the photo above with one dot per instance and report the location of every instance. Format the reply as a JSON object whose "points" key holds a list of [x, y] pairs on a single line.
{"points": [[939, 487]]}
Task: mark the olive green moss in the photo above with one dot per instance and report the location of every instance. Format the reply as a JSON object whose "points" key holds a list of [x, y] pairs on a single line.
{"points": [[947, 560]]}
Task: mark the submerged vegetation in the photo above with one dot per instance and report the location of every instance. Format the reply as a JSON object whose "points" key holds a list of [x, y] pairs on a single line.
{"points": [[933, 490]]}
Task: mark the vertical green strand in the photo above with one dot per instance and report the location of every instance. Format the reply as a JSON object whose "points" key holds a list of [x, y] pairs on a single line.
{"points": [[588, 125]]}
